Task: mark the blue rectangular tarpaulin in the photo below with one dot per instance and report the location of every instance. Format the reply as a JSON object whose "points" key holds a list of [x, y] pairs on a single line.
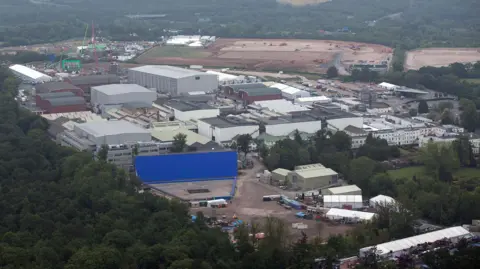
{"points": [[187, 167]]}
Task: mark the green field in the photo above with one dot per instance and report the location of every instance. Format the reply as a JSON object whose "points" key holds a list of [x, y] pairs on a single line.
{"points": [[409, 172], [174, 51], [472, 80]]}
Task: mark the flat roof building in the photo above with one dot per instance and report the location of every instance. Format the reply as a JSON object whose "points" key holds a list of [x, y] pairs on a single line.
{"points": [[119, 94], [308, 177], [290, 92], [343, 190], [184, 110], [172, 80]]}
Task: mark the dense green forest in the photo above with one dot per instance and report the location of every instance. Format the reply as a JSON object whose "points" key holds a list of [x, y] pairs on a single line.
{"points": [[404, 24]]}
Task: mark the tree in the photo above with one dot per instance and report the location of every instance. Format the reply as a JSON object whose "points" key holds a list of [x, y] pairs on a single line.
{"points": [[440, 160], [262, 128], [179, 143], [103, 153], [332, 72], [361, 170], [297, 137], [446, 117], [341, 141], [422, 107], [469, 116], [243, 142]]}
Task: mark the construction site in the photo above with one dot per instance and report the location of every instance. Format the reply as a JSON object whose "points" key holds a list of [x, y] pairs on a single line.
{"points": [[312, 56], [438, 57]]}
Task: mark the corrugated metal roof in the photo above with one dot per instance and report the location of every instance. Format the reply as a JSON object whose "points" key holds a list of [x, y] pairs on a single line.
{"points": [[238, 87], [281, 171], [52, 95], [114, 89], [169, 71], [168, 134], [66, 101], [344, 189], [261, 91], [54, 86], [94, 79], [110, 128], [316, 173]]}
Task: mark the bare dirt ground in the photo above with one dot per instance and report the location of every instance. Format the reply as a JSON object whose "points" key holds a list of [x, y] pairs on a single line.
{"points": [[312, 56], [248, 206], [438, 57]]}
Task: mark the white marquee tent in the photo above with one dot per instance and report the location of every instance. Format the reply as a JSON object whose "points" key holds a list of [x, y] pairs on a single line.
{"points": [[397, 247], [336, 213]]}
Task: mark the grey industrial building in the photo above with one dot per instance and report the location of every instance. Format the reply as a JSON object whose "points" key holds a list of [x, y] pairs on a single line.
{"points": [[172, 80], [119, 94], [125, 140]]}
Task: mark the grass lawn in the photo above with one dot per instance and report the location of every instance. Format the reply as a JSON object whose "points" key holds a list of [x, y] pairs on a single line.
{"points": [[472, 80], [174, 51], [409, 172]]}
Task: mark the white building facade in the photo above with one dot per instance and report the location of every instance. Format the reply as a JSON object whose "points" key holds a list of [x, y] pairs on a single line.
{"points": [[172, 80]]}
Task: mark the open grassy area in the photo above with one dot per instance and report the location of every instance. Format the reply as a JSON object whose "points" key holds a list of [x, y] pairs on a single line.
{"points": [[409, 172], [174, 51], [472, 80]]}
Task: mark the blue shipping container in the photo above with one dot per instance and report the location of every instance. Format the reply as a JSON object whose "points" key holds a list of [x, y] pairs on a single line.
{"points": [[187, 167]]}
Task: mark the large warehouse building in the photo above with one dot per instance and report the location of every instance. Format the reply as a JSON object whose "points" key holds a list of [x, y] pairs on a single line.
{"points": [[119, 94], [29, 75], [86, 82], [90, 135], [60, 102], [172, 80], [50, 87]]}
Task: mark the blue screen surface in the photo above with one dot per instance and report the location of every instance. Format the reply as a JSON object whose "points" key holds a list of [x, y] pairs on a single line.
{"points": [[186, 167]]}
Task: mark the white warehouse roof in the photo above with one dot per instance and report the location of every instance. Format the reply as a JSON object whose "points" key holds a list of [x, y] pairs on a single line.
{"points": [[344, 189], [29, 72], [114, 89], [168, 71], [388, 86], [289, 90], [313, 99], [342, 199], [281, 106], [382, 200], [406, 243], [222, 76], [337, 213], [112, 127]]}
